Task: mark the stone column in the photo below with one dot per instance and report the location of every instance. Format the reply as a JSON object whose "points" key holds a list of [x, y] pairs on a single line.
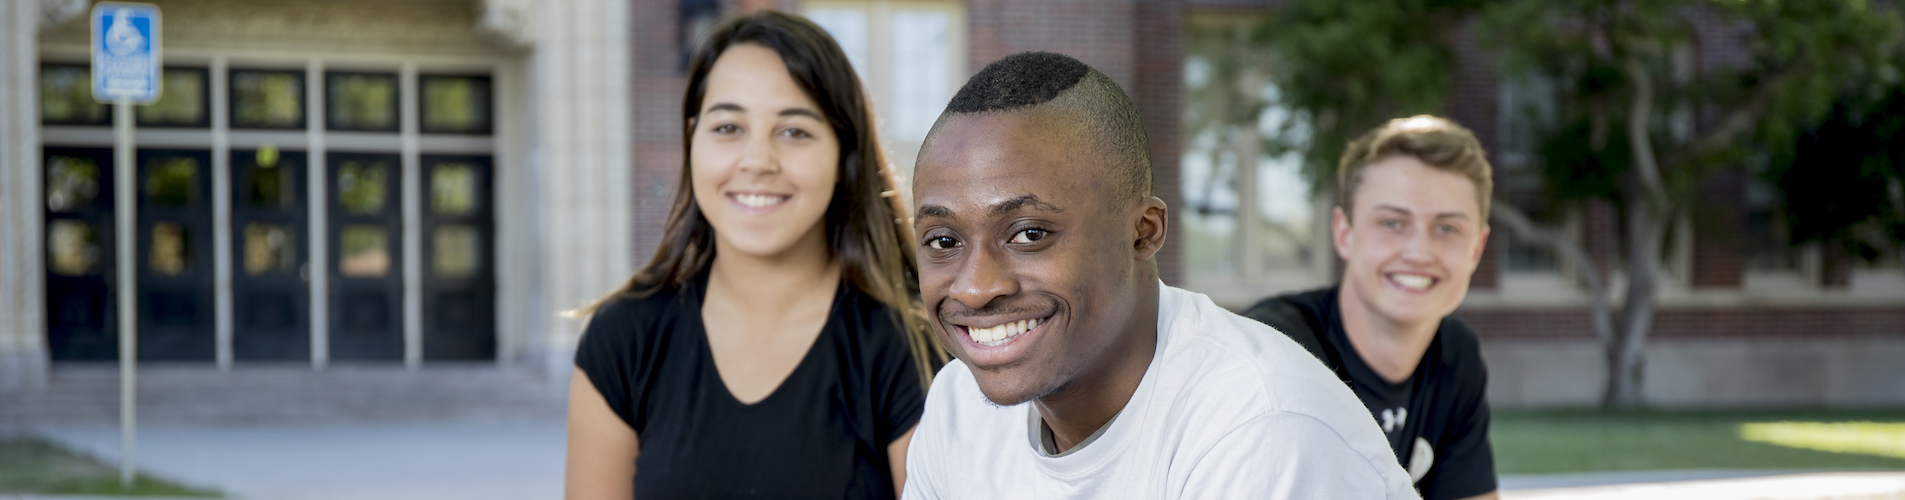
{"points": [[580, 159], [23, 354]]}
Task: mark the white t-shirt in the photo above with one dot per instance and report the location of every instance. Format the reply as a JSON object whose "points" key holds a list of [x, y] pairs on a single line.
{"points": [[1228, 409]]}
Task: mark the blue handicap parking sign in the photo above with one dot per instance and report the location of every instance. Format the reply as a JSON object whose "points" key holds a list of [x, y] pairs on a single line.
{"points": [[126, 57]]}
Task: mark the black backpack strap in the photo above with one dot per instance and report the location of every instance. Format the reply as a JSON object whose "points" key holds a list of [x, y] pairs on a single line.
{"points": [[1301, 325]]}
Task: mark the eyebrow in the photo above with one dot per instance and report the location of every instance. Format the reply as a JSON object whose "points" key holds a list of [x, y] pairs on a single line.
{"points": [[1000, 208], [1443, 215], [728, 106]]}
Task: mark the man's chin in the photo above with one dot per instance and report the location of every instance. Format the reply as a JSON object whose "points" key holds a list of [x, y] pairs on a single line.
{"points": [[1006, 392]]}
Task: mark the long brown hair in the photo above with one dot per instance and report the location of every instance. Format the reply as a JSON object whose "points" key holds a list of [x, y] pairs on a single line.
{"points": [[866, 230]]}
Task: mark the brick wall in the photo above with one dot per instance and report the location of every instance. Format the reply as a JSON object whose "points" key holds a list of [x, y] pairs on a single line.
{"points": [[656, 83], [1159, 91], [1475, 104], [1719, 220]]}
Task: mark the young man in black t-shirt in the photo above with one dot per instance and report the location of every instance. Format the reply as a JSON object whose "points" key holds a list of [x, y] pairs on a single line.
{"points": [[1411, 220]]}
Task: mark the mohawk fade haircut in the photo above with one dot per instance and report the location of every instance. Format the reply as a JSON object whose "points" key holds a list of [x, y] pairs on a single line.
{"points": [[1099, 113]]}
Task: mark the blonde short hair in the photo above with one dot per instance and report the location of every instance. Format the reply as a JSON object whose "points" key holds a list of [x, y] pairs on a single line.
{"points": [[1435, 141]]}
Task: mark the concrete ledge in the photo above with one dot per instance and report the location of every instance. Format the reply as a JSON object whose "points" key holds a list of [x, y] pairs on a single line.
{"points": [[1794, 371]]}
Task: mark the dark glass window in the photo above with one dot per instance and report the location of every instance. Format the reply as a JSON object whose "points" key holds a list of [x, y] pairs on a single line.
{"points": [[361, 186], [366, 251], [361, 101], [455, 251], [72, 247], [183, 95], [171, 248], [269, 248], [267, 99], [66, 96], [170, 180], [72, 183], [453, 188], [455, 104]]}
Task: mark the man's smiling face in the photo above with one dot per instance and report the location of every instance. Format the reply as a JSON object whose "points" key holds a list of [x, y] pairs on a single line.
{"points": [[1025, 251]]}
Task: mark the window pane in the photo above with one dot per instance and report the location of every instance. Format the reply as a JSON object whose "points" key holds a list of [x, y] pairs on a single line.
{"points": [[66, 97], [362, 101], [1210, 223], [170, 249], [455, 253], [1285, 237], [169, 180], [848, 26], [271, 187], [269, 248], [182, 104], [456, 104], [452, 189], [360, 187], [364, 251], [72, 247], [267, 99], [72, 183], [922, 71]]}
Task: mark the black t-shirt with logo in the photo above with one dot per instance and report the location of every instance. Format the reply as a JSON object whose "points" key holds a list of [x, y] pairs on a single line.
{"points": [[823, 433], [1436, 421]]}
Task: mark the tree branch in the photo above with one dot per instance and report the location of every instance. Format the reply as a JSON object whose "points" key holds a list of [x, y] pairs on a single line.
{"points": [[1568, 250], [1639, 141], [1741, 118]]}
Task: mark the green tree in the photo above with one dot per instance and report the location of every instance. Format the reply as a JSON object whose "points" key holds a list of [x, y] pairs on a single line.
{"points": [[1635, 119]]}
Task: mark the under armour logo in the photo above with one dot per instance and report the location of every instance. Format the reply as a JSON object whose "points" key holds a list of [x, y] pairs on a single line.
{"points": [[1393, 417]]}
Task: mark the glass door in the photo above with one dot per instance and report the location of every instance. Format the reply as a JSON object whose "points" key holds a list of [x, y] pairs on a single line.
{"points": [[366, 242], [459, 291], [270, 282], [174, 258], [82, 318]]}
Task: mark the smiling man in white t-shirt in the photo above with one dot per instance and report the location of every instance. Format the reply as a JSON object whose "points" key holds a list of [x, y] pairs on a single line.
{"points": [[1037, 229]]}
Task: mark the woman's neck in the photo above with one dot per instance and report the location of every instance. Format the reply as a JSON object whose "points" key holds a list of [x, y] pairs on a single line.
{"points": [[774, 284]]}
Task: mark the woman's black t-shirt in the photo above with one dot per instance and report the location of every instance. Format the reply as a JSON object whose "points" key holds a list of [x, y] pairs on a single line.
{"points": [[822, 434]]}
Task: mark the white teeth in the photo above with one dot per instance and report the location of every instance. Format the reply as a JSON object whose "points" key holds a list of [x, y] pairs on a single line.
{"points": [[1412, 281], [758, 200], [994, 336]]}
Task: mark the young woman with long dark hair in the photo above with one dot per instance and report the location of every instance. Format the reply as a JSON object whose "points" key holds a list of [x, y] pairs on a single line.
{"points": [[773, 346]]}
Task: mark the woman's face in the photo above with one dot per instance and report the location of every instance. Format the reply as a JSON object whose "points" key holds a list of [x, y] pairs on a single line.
{"points": [[764, 160]]}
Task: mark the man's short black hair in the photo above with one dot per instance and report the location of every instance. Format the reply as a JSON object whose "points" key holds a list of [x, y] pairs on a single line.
{"points": [[1105, 117]]}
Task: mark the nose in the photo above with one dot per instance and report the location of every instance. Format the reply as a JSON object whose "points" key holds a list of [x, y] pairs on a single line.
{"points": [[1416, 249], [759, 156], [982, 278]]}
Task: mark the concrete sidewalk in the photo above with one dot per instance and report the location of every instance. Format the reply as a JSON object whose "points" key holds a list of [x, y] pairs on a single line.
{"points": [[503, 461]]}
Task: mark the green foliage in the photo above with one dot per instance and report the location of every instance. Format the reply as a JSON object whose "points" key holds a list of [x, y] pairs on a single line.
{"points": [[1844, 180], [1346, 67]]}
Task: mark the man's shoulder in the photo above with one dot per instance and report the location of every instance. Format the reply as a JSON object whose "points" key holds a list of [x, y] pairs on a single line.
{"points": [[1461, 351], [1253, 360], [1303, 309]]}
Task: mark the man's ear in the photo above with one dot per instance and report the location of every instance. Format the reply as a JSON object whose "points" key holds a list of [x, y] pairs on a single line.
{"points": [[1339, 233], [1153, 225], [1480, 247]]}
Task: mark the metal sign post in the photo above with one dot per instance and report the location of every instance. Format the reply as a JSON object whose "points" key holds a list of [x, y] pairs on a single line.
{"points": [[126, 62]]}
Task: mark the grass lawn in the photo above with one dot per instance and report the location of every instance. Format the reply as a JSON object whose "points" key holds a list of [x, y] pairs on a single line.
{"points": [[1545, 442], [29, 464]]}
